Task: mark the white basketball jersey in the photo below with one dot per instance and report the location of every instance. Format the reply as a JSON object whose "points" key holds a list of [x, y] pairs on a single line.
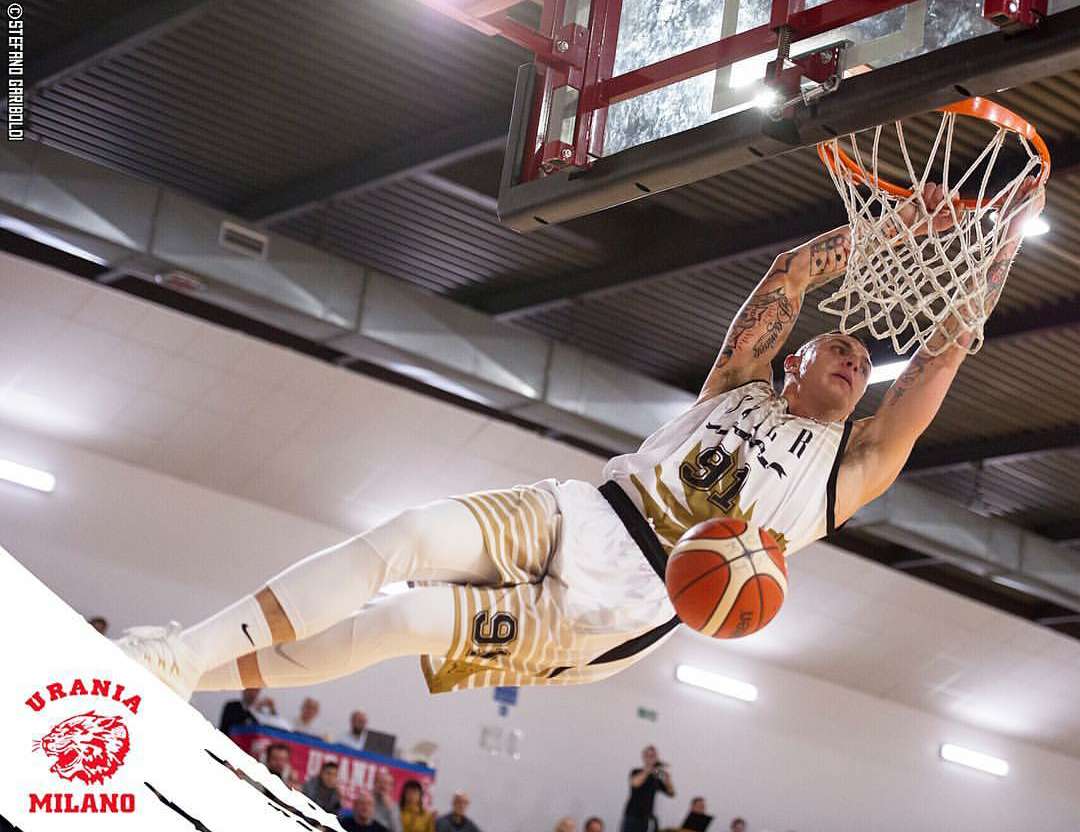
{"points": [[739, 454]]}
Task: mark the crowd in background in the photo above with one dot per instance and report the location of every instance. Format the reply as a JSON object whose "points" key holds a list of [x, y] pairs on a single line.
{"points": [[379, 809]]}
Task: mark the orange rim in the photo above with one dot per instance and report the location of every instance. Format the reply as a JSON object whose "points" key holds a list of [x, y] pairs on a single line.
{"points": [[972, 107]]}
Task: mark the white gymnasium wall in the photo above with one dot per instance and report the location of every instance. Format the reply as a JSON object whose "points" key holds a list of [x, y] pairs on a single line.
{"points": [[139, 547]]}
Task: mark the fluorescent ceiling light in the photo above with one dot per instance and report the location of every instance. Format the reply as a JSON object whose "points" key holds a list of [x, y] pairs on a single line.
{"points": [[395, 589], [28, 477], [887, 372], [974, 759], [1035, 227], [716, 683], [1012, 582]]}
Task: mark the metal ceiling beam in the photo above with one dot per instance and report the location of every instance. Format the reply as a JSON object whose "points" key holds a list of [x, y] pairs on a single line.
{"points": [[1059, 314], [464, 193], [993, 451], [666, 256], [148, 21], [471, 137], [1062, 531]]}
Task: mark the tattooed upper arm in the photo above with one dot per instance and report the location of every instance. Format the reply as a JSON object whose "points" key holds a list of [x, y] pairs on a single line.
{"points": [[766, 319], [757, 332]]}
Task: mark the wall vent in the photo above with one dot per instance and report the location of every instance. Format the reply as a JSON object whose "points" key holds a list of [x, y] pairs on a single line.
{"points": [[246, 241]]}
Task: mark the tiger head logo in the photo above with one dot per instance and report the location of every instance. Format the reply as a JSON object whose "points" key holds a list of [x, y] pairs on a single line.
{"points": [[88, 747]]}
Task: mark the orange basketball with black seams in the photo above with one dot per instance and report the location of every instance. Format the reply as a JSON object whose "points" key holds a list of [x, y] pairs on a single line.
{"points": [[726, 578]]}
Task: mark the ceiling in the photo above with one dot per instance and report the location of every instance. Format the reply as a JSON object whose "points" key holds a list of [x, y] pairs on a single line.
{"points": [[373, 130], [94, 368]]}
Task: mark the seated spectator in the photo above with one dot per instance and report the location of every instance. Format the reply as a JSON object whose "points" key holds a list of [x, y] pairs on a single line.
{"points": [[357, 731], [594, 824], [99, 624], [566, 825], [457, 821], [362, 738], [266, 712], [386, 810], [276, 760], [239, 711], [323, 788], [305, 722], [414, 817], [738, 825], [697, 806], [363, 816]]}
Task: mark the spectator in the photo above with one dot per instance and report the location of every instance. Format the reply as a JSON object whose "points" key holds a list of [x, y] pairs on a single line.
{"points": [[363, 738], [645, 782], [363, 816], [357, 731], [457, 821], [239, 711], [305, 722], [386, 810], [277, 760], [414, 817], [697, 806], [566, 825], [323, 788], [738, 825], [594, 824], [266, 713], [99, 624]]}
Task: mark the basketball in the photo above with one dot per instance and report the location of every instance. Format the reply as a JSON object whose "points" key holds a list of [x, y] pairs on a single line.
{"points": [[726, 578]]}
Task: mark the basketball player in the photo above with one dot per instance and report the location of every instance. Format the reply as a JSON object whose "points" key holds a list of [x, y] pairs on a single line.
{"points": [[561, 582]]}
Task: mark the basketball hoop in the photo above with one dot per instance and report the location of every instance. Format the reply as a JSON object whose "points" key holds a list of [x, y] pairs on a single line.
{"points": [[913, 282]]}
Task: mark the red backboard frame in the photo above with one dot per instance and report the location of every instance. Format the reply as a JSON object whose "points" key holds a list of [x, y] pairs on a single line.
{"points": [[573, 66]]}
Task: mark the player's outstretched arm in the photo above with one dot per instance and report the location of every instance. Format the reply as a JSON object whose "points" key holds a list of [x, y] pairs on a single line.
{"points": [[763, 324], [880, 445]]}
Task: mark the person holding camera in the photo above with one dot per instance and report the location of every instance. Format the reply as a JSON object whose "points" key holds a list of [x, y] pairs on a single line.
{"points": [[645, 782]]}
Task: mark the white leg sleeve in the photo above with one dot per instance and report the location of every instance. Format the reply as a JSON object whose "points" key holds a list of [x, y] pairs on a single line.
{"points": [[440, 541], [416, 622]]}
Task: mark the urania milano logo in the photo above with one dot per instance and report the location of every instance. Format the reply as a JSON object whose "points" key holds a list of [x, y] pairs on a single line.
{"points": [[86, 749]]}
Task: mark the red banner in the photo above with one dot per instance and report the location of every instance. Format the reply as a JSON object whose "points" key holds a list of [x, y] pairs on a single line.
{"points": [[356, 769]]}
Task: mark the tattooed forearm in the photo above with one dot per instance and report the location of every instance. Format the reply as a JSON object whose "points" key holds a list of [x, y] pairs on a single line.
{"points": [[911, 377], [995, 277], [766, 315], [829, 257]]}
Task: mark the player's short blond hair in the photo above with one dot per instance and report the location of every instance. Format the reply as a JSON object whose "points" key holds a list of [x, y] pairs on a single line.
{"points": [[806, 345]]}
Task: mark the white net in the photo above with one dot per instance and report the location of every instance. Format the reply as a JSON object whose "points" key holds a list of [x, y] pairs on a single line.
{"points": [[915, 275]]}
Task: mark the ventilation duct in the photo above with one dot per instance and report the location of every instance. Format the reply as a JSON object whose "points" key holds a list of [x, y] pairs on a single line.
{"points": [[144, 230], [921, 520]]}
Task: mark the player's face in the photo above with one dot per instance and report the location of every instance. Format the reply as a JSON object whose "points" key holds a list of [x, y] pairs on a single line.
{"points": [[837, 369]]}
